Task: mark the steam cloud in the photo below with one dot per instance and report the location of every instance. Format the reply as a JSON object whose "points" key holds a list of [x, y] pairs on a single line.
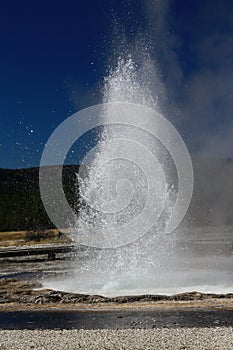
{"points": [[197, 99], [200, 103]]}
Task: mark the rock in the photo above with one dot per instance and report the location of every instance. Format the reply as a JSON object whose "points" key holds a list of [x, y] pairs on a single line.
{"points": [[17, 291]]}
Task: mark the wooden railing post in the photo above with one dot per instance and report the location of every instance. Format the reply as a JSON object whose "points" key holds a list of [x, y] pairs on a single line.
{"points": [[51, 255]]}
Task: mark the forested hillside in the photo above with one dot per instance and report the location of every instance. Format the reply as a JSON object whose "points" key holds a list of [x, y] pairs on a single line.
{"points": [[21, 207]]}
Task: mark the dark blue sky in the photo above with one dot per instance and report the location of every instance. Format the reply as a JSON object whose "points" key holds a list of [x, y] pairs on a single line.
{"points": [[54, 56]]}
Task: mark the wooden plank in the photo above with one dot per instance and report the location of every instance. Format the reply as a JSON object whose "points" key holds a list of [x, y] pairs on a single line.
{"points": [[51, 251]]}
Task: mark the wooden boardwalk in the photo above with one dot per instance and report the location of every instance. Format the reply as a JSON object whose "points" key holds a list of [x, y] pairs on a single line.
{"points": [[51, 250], [204, 246]]}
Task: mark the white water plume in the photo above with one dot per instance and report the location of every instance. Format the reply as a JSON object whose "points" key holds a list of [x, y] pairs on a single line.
{"points": [[126, 188]]}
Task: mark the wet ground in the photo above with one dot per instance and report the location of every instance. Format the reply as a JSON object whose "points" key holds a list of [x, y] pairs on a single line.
{"points": [[202, 260], [204, 273], [204, 265], [123, 319]]}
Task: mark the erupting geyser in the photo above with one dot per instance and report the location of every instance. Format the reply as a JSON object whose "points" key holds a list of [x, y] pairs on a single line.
{"points": [[129, 193], [133, 190]]}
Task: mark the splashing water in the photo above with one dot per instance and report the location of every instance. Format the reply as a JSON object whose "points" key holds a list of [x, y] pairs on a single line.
{"points": [[129, 184], [129, 82], [125, 188]]}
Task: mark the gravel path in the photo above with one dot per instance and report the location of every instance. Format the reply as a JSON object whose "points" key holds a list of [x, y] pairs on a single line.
{"points": [[220, 338]]}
